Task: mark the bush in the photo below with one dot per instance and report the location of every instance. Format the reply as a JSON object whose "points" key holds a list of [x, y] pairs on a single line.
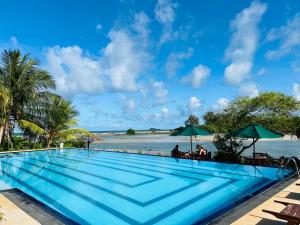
{"points": [[77, 143], [20, 143], [298, 132], [130, 131], [222, 156], [229, 149]]}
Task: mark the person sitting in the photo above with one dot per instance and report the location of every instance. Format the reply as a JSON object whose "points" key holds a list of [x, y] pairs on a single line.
{"points": [[202, 151], [175, 152]]}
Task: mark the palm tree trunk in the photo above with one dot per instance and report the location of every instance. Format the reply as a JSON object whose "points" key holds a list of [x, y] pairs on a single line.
{"points": [[1, 133], [49, 141], [7, 134]]}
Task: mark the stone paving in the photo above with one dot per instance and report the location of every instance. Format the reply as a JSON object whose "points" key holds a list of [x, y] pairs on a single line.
{"points": [[20, 208], [250, 213]]}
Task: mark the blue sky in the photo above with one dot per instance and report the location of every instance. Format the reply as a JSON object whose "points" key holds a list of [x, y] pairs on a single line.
{"points": [[142, 64]]}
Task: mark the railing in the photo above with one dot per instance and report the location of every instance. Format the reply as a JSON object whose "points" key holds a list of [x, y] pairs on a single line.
{"points": [[291, 159]]}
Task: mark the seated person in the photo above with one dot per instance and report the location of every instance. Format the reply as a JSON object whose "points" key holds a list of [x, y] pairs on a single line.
{"points": [[175, 152], [201, 150]]}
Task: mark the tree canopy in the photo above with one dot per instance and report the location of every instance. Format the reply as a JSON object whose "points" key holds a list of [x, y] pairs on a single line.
{"points": [[27, 101], [192, 120], [273, 110]]}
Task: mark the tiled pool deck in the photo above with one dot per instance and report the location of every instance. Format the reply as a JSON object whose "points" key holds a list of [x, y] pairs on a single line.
{"points": [[250, 213], [20, 208]]}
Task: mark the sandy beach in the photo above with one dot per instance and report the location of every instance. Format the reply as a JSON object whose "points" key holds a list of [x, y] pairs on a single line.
{"points": [[162, 137]]}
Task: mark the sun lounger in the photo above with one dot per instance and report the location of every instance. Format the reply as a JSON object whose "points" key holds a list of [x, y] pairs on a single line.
{"points": [[291, 213]]}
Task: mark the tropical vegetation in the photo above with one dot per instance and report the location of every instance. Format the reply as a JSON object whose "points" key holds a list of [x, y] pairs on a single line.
{"points": [[273, 110], [28, 103], [130, 131]]}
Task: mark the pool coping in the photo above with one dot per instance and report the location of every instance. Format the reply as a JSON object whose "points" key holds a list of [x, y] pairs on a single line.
{"points": [[28, 150], [33, 209]]}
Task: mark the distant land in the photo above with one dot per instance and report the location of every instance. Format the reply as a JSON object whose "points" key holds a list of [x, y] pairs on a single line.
{"points": [[124, 131]]}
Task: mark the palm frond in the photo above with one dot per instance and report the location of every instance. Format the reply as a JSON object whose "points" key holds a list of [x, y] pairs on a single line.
{"points": [[73, 133], [35, 129]]}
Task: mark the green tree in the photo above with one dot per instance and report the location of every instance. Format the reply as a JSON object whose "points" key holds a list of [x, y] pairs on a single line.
{"points": [[192, 120], [275, 111], [56, 123], [25, 85], [130, 131]]}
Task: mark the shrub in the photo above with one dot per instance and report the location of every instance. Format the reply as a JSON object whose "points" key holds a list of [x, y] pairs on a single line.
{"points": [[77, 143], [130, 131], [298, 132], [20, 143], [229, 149]]}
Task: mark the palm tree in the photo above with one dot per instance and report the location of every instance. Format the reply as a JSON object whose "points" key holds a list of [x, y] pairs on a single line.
{"points": [[24, 86], [4, 98], [58, 117]]}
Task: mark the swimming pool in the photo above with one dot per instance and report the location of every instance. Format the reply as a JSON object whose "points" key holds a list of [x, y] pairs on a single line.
{"points": [[93, 187]]}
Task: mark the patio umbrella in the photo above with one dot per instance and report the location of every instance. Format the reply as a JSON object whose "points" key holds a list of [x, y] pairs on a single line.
{"points": [[190, 131], [256, 132]]}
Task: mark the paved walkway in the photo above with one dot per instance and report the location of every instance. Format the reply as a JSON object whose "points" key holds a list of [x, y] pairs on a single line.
{"points": [[20, 208], [250, 213]]}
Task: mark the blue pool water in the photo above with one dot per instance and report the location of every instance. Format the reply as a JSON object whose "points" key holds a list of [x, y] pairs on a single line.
{"points": [[93, 187]]}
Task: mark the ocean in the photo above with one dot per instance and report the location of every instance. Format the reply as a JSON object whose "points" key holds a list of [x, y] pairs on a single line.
{"points": [[275, 148]]}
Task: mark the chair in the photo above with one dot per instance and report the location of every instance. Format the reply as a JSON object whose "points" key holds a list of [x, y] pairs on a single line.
{"points": [[291, 213]]}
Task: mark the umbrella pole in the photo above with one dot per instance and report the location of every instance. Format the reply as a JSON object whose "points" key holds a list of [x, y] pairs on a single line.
{"points": [[253, 152], [191, 145]]}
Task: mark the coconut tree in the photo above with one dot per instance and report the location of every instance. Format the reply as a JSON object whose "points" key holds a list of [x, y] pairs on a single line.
{"points": [[59, 117], [4, 98], [24, 86]]}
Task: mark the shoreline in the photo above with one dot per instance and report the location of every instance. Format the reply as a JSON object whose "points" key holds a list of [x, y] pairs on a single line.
{"points": [[165, 137]]}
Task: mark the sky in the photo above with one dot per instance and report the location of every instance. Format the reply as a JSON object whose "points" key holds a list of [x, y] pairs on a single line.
{"points": [[151, 63]]}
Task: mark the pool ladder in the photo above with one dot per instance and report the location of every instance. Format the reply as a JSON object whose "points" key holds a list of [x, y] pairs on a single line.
{"points": [[288, 161]]}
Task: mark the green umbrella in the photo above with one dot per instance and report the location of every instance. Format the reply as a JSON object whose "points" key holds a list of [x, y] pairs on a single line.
{"points": [[190, 131], [255, 131]]}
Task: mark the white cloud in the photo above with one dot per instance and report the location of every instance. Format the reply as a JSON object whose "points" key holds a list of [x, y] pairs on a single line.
{"points": [[243, 43], [164, 11], [198, 76], [194, 104], [165, 14], [99, 26], [74, 71], [14, 41], [165, 110], [288, 37], [165, 113], [174, 61], [261, 72], [118, 67], [123, 61], [296, 91], [296, 66], [222, 102], [129, 105], [160, 92], [140, 25], [249, 89]]}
